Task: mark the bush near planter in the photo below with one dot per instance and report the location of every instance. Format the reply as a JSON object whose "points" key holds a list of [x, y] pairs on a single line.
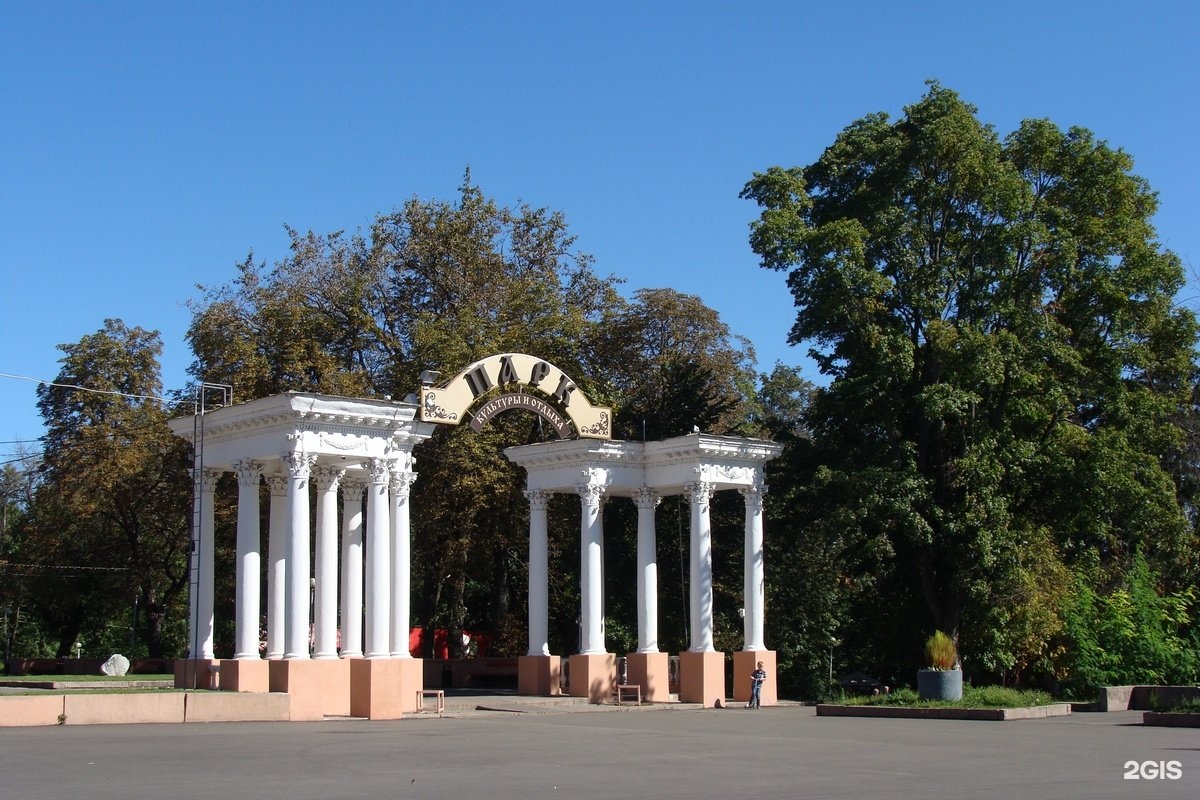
{"points": [[943, 679]]}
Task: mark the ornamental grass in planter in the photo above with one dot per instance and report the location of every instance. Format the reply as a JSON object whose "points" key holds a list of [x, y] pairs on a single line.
{"points": [[942, 680]]}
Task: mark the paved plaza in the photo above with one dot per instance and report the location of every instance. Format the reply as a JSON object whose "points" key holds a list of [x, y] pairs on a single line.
{"points": [[785, 752]]}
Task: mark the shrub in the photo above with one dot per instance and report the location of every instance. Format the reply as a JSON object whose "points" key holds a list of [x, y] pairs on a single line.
{"points": [[940, 652]]}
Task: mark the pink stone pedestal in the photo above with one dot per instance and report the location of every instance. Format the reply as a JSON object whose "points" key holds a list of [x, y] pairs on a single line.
{"points": [[539, 676], [384, 688], [593, 676], [702, 678], [335, 673], [197, 673], [303, 681], [651, 671], [744, 662], [245, 675]]}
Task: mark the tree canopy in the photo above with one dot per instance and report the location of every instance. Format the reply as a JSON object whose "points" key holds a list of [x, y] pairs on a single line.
{"points": [[1005, 359]]}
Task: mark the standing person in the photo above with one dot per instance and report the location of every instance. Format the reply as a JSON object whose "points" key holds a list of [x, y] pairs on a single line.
{"points": [[756, 681]]}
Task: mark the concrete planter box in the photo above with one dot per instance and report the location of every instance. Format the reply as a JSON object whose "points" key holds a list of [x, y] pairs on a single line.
{"points": [[939, 684], [1165, 720], [984, 714]]}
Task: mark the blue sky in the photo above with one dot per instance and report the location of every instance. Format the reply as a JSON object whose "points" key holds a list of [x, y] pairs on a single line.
{"points": [[147, 147]]}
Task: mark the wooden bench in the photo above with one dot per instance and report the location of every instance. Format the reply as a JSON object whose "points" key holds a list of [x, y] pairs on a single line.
{"points": [[633, 690], [439, 697]]}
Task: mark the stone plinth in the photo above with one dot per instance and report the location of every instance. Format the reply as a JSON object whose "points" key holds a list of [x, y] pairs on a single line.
{"points": [[245, 675], [539, 676], [306, 682], [197, 673], [744, 662], [702, 678], [384, 688], [651, 671], [593, 676]]}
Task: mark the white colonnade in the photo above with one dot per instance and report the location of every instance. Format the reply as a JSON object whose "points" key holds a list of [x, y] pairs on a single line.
{"points": [[695, 466], [293, 443]]}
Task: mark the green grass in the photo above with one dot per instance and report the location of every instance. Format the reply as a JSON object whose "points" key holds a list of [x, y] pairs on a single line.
{"points": [[1189, 706], [973, 697], [86, 678]]}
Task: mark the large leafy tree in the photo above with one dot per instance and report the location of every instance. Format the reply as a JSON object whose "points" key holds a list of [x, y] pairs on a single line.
{"points": [[1005, 361], [108, 524]]}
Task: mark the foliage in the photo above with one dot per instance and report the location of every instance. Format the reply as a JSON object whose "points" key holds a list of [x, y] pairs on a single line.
{"points": [[1132, 634], [107, 525], [940, 652], [973, 697], [439, 285], [1007, 373]]}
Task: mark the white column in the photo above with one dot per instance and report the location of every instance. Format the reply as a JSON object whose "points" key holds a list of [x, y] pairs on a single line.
{"points": [[539, 575], [647, 574], [249, 560], [352, 568], [700, 573], [402, 482], [591, 570], [755, 576], [379, 571], [276, 564], [201, 601], [325, 591], [299, 564]]}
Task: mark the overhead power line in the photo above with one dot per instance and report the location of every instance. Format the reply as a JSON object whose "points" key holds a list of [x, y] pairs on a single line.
{"points": [[84, 388]]}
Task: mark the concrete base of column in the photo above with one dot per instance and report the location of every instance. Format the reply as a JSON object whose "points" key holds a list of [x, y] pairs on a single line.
{"points": [[651, 672], [744, 662], [336, 675], [539, 676], [197, 673], [304, 682], [384, 688], [593, 676], [702, 678], [245, 675]]}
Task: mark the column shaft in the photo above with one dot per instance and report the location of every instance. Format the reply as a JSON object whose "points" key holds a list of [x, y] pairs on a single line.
{"points": [[299, 564], [700, 568], [591, 571], [647, 571], [325, 590], [201, 644], [276, 565], [539, 575], [401, 564], [755, 575], [379, 570], [352, 568], [246, 625]]}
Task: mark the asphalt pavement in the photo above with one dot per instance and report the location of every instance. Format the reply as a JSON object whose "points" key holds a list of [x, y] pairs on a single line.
{"points": [[652, 752]]}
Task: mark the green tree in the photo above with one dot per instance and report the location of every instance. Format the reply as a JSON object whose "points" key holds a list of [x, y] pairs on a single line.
{"points": [[109, 519], [1005, 358]]}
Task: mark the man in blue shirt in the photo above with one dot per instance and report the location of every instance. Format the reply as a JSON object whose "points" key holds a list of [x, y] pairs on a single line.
{"points": [[756, 681]]}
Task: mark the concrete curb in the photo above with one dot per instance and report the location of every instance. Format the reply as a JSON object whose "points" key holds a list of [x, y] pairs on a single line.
{"points": [[1169, 720], [907, 712]]}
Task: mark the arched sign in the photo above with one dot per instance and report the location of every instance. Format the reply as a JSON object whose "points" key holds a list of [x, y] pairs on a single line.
{"points": [[515, 374]]}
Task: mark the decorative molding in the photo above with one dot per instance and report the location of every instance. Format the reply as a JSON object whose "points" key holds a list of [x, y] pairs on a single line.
{"points": [[249, 472], [298, 465], [699, 492], [278, 485], [352, 490], [327, 477], [754, 495], [539, 499], [209, 479], [646, 497]]}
